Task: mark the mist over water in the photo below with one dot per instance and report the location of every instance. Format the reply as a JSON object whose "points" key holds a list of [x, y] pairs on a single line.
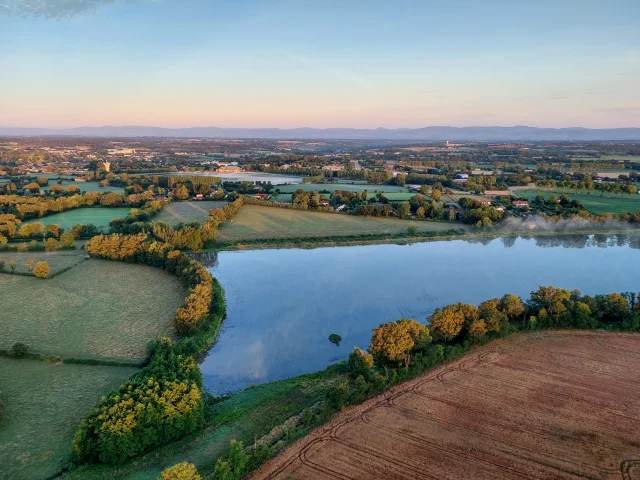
{"points": [[282, 305], [542, 224]]}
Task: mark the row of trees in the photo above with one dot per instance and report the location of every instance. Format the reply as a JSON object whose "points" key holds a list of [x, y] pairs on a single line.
{"points": [[588, 186], [164, 401]]}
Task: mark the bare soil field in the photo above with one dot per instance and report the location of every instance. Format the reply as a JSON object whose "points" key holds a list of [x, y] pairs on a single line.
{"points": [[550, 405]]}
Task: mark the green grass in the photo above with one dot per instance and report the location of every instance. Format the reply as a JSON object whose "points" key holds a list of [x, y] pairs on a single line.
{"points": [[247, 416], [89, 187], [187, 212], [257, 222], [98, 309], [603, 158], [44, 403], [59, 260], [98, 216], [593, 203]]}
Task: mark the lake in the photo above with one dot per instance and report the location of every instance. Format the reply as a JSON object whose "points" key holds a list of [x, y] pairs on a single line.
{"points": [[282, 305]]}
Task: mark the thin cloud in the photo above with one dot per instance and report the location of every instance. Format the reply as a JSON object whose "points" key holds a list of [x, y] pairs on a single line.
{"points": [[617, 110], [597, 91], [55, 9], [558, 96], [329, 69]]}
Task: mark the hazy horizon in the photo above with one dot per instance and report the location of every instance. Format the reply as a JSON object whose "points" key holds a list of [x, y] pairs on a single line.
{"points": [[319, 64]]}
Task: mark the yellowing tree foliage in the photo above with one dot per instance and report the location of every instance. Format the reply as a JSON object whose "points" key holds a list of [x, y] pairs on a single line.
{"points": [[181, 471], [394, 341], [41, 270]]}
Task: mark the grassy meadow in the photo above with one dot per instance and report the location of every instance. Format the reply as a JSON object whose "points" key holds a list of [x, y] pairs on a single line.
{"points": [[187, 212], [98, 309], [98, 216], [593, 203], [256, 222], [43, 404]]}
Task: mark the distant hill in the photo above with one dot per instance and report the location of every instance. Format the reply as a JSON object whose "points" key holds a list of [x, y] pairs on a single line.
{"points": [[489, 134]]}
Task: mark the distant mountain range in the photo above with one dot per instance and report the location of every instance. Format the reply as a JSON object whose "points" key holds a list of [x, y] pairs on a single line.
{"points": [[488, 134]]}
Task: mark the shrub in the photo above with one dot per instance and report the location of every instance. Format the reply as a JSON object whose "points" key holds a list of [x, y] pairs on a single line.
{"points": [[235, 466], [359, 363], [41, 270], [18, 350], [180, 471]]}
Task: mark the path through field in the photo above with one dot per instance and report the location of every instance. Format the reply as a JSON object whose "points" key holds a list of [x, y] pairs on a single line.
{"points": [[544, 405]]}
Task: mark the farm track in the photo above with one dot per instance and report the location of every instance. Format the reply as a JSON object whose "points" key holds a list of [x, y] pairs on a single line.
{"points": [[551, 405]]}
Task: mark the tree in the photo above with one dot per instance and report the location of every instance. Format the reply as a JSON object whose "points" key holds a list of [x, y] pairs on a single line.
{"points": [[550, 301], [435, 195], [180, 471], [394, 341], [447, 322], [478, 329], [66, 239], [235, 466], [403, 209], [12, 265], [359, 363], [41, 270], [511, 305], [51, 245], [31, 263]]}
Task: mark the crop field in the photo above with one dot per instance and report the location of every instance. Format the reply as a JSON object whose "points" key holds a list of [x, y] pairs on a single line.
{"points": [[609, 158], [546, 405], [98, 309], [594, 203], [43, 404], [59, 260], [98, 216], [256, 222], [187, 212]]}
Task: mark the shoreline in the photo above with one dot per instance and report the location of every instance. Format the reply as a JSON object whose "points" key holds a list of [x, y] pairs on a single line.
{"points": [[308, 243]]}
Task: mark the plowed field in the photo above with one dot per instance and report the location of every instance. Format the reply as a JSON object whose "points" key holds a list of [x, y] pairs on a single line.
{"points": [[539, 406]]}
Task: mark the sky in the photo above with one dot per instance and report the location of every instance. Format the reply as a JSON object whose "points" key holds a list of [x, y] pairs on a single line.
{"points": [[326, 63]]}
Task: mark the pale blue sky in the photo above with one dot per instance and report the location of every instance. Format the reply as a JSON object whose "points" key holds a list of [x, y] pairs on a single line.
{"points": [[320, 63]]}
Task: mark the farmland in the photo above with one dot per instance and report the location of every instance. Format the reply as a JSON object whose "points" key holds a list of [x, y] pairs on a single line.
{"points": [[98, 309], [594, 203], [187, 212], [98, 216], [256, 222], [43, 403], [540, 405]]}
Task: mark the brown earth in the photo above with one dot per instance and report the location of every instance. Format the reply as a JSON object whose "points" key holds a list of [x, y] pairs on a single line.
{"points": [[541, 406]]}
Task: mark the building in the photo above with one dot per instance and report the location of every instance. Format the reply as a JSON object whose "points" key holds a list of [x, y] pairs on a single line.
{"points": [[261, 196], [521, 204]]}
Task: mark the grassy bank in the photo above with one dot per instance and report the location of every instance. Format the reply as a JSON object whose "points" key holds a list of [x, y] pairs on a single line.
{"points": [[247, 415]]}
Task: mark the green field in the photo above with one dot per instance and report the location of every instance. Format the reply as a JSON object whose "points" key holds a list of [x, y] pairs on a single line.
{"points": [[187, 212], [98, 309], [44, 403], [98, 216], [609, 158], [60, 260], [255, 222], [593, 203]]}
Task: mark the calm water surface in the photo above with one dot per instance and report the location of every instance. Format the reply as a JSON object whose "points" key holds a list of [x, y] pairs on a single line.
{"points": [[283, 304]]}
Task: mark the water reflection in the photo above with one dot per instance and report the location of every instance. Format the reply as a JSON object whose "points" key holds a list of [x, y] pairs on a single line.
{"points": [[283, 304]]}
